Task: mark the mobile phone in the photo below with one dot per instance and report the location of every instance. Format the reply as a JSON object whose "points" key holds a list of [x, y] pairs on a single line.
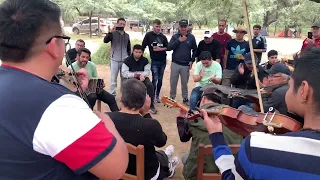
{"points": [[310, 35], [154, 44], [119, 28]]}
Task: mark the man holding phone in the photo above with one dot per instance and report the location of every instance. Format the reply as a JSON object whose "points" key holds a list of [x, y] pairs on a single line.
{"points": [[157, 44], [313, 37], [120, 49]]}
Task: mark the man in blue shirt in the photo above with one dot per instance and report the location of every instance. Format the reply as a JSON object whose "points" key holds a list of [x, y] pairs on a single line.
{"points": [[259, 42], [235, 51], [293, 155], [182, 44]]}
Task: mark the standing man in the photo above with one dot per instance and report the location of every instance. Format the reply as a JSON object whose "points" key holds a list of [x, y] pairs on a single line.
{"points": [[259, 42], [315, 41], [157, 44], [72, 53], [182, 44], [120, 49], [223, 37], [36, 140], [211, 45], [234, 53]]}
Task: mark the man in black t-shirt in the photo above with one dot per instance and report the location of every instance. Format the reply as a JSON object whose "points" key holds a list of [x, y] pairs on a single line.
{"points": [[72, 53], [259, 42], [211, 45], [157, 44], [137, 127]]}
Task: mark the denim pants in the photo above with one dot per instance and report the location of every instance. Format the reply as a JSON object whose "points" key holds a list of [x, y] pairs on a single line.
{"points": [[195, 97], [157, 69]]}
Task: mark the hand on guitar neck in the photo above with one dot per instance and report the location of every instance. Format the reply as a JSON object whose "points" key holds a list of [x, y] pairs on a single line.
{"points": [[184, 111]]}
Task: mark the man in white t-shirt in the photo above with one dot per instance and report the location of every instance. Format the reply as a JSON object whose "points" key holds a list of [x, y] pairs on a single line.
{"points": [[206, 72]]}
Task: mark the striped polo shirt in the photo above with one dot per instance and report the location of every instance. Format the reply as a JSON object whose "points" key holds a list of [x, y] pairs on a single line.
{"points": [[47, 132], [290, 156]]}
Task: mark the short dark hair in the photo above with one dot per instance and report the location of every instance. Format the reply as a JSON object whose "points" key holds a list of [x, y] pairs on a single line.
{"points": [[157, 22], [85, 50], [82, 41], [134, 94], [205, 55], [257, 26], [222, 20], [121, 19], [22, 23], [138, 47], [307, 69], [272, 53]]}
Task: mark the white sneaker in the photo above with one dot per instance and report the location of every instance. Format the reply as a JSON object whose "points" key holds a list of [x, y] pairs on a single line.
{"points": [[173, 163], [169, 151]]}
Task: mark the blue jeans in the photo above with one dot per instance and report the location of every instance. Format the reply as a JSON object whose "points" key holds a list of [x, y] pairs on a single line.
{"points": [[157, 69], [236, 103], [195, 97]]}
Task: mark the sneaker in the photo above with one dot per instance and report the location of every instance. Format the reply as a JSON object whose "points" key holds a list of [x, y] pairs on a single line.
{"points": [[157, 100], [153, 110], [169, 151], [173, 163], [186, 102]]}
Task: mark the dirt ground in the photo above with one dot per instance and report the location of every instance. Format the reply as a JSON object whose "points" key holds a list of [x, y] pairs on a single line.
{"points": [[166, 116]]}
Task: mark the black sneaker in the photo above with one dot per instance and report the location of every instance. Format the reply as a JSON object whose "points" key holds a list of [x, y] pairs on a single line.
{"points": [[186, 102], [153, 110]]}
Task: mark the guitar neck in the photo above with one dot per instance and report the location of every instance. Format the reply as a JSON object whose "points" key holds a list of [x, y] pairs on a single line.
{"points": [[184, 108]]}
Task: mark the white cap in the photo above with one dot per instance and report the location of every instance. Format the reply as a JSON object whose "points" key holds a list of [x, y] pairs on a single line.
{"points": [[207, 33]]}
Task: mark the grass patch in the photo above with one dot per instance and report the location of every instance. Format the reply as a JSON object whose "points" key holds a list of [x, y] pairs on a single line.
{"points": [[102, 55]]}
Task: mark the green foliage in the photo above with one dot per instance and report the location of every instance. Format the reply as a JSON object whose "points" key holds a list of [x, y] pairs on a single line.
{"points": [[102, 55]]}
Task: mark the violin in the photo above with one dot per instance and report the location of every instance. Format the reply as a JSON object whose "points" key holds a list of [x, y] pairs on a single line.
{"points": [[270, 122], [170, 103]]}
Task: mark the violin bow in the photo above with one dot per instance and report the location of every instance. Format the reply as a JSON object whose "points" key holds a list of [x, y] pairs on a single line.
{"points": [[74, 74], [245, 12]]}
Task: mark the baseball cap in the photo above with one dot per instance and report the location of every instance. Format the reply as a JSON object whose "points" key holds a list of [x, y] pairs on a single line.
{"points": [[316, 24], [279, 68], [248, 59], [183, 22], [207, 33]]}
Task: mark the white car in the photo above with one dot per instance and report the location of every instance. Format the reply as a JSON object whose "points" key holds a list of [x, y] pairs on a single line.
{"points": [[84, 26]]}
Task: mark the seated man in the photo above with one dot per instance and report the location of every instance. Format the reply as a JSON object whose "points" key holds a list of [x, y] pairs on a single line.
{"points": [[82, 62], [243, 78], [206, 72], [272, 59], [292, 155], [72, 53], [137, 66], [198, 132], [137, 127]]}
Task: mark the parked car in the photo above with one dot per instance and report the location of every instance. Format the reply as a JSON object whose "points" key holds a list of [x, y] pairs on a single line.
{"points": [[84, 26]]}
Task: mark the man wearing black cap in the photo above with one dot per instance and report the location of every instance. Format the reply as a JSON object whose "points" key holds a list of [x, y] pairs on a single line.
{"points": [[315, 41], [182, 44]]}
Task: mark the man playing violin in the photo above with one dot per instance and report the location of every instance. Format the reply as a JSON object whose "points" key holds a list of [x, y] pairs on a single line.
{"points": [[292, 155], [82, 61], [188, 129], [46, 131]]}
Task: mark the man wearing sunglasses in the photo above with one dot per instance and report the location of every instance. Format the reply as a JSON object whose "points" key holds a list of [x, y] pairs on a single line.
{"points": [[46, 131]]}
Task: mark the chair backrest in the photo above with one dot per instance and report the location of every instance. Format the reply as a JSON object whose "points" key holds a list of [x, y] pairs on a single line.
{"points": [[207, 150], [139, 152]]}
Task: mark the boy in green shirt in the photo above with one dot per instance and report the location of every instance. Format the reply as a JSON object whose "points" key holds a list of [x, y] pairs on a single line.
{"points": [[206, 72]]}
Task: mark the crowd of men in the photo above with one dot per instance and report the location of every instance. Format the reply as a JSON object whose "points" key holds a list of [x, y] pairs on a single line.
{"points": [[49, 132]]}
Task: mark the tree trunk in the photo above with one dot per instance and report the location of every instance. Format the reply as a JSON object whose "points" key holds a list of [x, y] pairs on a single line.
{"points": [[269, 18], [275, 29], [99, 31], [286, 31], [90, 28]]}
